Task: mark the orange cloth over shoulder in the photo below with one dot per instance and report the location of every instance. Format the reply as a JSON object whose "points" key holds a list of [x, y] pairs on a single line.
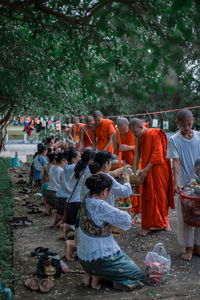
{"points": [[128, 139], [87, 141], [128, 156], [102, 133], [77, 130], [158, 190]]}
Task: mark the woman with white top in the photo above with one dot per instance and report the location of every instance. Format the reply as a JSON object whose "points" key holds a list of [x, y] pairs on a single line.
{"points": [[72, 156], [102, 164], [55, 175], [76, 184], [98, 252]]}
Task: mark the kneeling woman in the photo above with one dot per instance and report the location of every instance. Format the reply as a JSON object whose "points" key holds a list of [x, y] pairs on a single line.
{"points": [[99, 254]]}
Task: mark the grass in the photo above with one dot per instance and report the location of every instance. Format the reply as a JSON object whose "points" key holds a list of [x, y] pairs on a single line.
{"points": [[6, 237]]}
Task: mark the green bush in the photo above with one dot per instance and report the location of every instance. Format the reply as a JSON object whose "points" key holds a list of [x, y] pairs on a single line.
{"points": [[6, 238]]}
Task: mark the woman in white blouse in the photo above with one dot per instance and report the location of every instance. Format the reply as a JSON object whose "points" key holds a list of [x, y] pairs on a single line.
{"points": [[98, 252], [102, 164], [55, 175]]}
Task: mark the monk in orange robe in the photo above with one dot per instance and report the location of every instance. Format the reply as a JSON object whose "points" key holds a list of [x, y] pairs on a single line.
{"points": [[75, 129], [124, 145], [156, 176], [86, 136], [103, 133]]}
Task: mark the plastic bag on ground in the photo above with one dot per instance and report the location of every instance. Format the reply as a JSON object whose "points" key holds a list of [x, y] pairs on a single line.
{"points": [[158, 264]]}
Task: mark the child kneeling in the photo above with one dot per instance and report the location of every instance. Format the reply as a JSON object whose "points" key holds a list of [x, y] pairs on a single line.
{"points": [[98, 252]]}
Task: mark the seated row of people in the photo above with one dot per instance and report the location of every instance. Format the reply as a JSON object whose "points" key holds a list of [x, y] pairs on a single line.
{"points": [[86, 201]]}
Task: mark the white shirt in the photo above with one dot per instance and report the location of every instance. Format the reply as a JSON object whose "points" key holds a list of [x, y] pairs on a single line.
{"points": [[91, 248], [119, 190], [187, 151], [55, 178], [65, 188]]}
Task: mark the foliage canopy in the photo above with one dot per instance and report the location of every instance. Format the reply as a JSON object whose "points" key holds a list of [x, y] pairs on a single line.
{"points": [[124, 56]]}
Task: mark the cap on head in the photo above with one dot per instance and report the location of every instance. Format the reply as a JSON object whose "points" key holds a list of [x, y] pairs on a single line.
{"points": [[184, 114]]}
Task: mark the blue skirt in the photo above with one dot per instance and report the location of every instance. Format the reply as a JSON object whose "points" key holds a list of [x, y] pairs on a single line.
{"points": [[118, 268]]}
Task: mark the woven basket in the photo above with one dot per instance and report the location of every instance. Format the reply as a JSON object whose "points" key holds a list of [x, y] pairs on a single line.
{"points": [[191, 209], [116, 230], [116, 165], [135, 180]]}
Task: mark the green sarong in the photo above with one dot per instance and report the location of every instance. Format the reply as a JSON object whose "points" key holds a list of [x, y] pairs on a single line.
{"points": [[118, 268]]}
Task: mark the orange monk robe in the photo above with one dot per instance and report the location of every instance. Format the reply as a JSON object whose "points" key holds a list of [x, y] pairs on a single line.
{"points": [[128, 156], [87, 141], [158, 190], [102, 133], [77, 130], [128, 139]]}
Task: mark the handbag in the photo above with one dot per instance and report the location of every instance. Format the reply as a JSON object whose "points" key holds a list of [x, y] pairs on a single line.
{"points": [[45, 258]]}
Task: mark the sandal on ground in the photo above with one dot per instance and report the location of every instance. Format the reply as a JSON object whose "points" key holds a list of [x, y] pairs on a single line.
{"points": [[135, 286], [19, 175], [46, 285], [32, 284], [28, 203], [20, 222], [21, 181], [25, 191], [34, 210]]}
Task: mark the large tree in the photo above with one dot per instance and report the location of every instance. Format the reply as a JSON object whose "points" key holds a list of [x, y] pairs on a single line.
{"points": [[127, 56]]}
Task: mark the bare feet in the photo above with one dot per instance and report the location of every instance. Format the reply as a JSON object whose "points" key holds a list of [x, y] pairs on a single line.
{"points": [[95, 282], [196, 250], [168, 228], [138, 220], [70, 247], [48, 209], [64, 230], [86, 279], [188, 255], [144, 232], [56, 218]]}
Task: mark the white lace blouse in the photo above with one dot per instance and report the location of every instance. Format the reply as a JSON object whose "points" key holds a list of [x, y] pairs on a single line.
{"points": [[91, 248]]}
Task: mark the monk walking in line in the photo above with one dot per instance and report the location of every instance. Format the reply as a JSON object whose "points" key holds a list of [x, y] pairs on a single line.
{"points": [[124, 141], [103, 132], [75, 130], [86, 136], [124, 146], [156, 177]]}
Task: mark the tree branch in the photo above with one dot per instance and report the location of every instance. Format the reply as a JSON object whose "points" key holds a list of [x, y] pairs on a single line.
{"points": [[19, 4]]}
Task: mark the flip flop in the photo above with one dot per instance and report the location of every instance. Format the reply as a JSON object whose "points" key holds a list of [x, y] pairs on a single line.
{"points": [[34, 210], [21, 181], [25, 191], [21, 222], [45, 285], [32, 284]]}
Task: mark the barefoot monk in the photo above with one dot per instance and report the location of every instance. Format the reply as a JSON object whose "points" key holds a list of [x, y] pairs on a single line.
{"points": [[124, 145], [156, 176]]}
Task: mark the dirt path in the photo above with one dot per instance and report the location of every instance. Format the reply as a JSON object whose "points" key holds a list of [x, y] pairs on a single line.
{"points": [[183, 282]]}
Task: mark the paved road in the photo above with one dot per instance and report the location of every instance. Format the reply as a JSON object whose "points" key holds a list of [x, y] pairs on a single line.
{"points": [[21, 149]]}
